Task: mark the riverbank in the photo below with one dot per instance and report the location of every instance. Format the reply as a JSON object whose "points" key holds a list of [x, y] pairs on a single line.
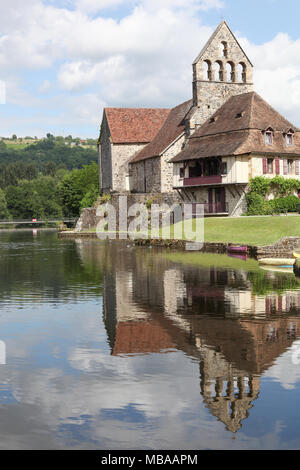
{"points": [[265, 236]]}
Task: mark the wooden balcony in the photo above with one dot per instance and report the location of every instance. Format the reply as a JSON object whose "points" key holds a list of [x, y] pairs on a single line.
{"points": [[202, 180]]}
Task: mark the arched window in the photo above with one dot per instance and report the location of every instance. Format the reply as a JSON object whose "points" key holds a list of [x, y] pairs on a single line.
{"points": [[207, 70], [218, 71], [230, 72], [242, 73], [224, 49]]}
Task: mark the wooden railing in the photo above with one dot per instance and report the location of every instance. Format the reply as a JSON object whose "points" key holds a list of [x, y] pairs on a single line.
{"points": [[200, 180]]}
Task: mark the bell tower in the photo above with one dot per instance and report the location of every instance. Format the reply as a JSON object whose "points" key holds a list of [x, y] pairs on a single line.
{"points": [[221, 70]]}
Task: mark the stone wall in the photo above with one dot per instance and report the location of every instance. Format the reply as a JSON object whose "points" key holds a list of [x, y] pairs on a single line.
{"points": [[137, 177], [153, 175], [167, 168], [236, 199], [210, 97], [121, 154], [283, 248], [211, 92], [89, 219], [145, 176]]}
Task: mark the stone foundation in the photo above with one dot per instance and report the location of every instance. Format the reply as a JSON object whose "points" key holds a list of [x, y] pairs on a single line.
{"points": [[283, 248], [88, 218]]}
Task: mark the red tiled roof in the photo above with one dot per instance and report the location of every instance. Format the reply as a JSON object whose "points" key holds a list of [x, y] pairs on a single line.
{"points": [[236, 129], [173, 127], [134, 125]]}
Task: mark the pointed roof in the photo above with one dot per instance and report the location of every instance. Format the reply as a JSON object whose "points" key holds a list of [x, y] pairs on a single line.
{"points": [[236, 129], [173, 127], [134, 125], [223, 23]]}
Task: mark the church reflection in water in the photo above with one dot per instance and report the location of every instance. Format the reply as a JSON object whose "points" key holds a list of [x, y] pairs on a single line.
{"points": [[218, 316]]}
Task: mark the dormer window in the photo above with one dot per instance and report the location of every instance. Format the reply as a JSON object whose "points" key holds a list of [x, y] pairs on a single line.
{"points": [[268, 137], [289, 139]]}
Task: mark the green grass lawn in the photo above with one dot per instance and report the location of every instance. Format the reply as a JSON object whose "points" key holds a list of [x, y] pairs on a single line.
{"points": [[251, 230]]}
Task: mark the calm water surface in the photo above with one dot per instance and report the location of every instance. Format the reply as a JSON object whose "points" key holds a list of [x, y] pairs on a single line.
{"points": [[109, 347]]}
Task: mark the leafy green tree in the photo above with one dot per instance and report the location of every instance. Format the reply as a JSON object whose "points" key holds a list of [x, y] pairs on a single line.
{"points": [[3, 146], [36, 198], [75, 185], [50, 168], [4, 214], [90, 197]]}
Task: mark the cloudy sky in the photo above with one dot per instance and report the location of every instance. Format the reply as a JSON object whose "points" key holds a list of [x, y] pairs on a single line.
{"points": [[63, 60]]}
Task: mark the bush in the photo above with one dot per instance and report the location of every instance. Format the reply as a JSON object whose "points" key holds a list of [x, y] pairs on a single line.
{"points": [[282, 188], [284, 204], [260, 185], [257, 204]]}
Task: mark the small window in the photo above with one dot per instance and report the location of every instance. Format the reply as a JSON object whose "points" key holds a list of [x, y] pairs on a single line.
{"points": [[290, 166], [289, 139], [224, 49], [224, 168], [181, 172], [268, 138], [270, 165]]}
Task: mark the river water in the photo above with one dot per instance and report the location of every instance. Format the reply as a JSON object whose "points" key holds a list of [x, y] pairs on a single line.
{"points": [[115, 347]]}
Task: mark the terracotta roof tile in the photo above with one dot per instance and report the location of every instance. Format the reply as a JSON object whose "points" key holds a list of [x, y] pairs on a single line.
{"points": [[173, 127], [237, 128], [134, 125]]}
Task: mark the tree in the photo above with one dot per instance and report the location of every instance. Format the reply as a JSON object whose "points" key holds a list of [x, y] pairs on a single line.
{"points": [[90, 197], [50, 169], [3, 146], [37, 198], [14, 137], [4, 214], [75, 185]]}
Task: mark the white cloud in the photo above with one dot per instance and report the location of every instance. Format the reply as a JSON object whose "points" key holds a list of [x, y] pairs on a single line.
{"points": [[144, 59], [45, 86], [277, 73], [94, 6], [284, 371]]}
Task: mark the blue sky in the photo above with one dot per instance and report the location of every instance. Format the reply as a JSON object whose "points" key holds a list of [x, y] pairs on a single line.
{"points": [[63, 60]]}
